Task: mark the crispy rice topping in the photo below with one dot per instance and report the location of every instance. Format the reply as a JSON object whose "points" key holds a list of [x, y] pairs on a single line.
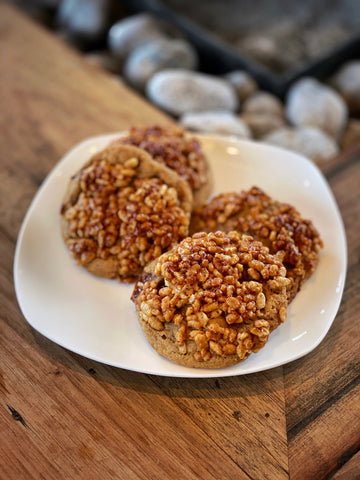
{"points": [[214, 287], [172, 148], [118, 215], [278, 225]]}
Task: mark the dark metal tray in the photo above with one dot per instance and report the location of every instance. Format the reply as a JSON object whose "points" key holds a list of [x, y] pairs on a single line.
{"points": [[218, 57]]}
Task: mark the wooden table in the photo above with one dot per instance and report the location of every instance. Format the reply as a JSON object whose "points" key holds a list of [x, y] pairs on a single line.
{"points": [[65, 416]]}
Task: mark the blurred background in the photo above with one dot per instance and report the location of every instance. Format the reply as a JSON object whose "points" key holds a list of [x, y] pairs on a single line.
{"points": [[279, 71]]}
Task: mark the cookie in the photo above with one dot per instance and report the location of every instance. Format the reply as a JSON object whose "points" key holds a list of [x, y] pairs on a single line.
{"points": [[177, 150], [121, 210], [280, 227], [211, 300]]}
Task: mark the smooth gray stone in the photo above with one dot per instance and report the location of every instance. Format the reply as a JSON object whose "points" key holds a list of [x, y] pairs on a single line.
{"points": [[243, 83], [308, 141], [158, 55], [127, 34], [86, 19], [219, 121], [347, 81], [183, 91], [312, 103]]}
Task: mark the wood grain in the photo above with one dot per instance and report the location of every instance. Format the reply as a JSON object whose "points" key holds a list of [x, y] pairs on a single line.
{"points": [[63, 416], [322, 389], [350, 468]]}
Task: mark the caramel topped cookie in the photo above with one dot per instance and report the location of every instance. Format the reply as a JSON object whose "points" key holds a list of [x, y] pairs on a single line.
{"points": [[212, 300], [174, 148], [122, 210], [294, 240]]}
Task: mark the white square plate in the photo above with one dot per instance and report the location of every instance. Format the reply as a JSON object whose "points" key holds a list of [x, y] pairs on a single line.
{"points": [[94, 317]]}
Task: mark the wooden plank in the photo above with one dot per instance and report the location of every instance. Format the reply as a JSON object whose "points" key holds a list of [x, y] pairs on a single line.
{"points": [[318, 379], [315, 451], [320, 386], [224, 409], [348, 469], [96, 424], [340, 347], [17, 191], [345, 186]]}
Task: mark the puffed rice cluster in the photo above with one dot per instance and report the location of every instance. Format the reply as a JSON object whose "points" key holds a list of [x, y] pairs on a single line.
{"points": [[206, 285]]}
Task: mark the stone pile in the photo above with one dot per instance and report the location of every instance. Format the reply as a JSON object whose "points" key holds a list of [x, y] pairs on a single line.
{"points": [[317, 119]]}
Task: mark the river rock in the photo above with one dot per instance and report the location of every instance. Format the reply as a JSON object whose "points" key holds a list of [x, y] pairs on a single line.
{"points": [[182, 91], [220, 121], [127, 34], [262, 124], [325, 37], [309, 141], [312, 103], [262, 49], [158, 55], [84, 19], [347, 82], [243, 83], [263, 103]]}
